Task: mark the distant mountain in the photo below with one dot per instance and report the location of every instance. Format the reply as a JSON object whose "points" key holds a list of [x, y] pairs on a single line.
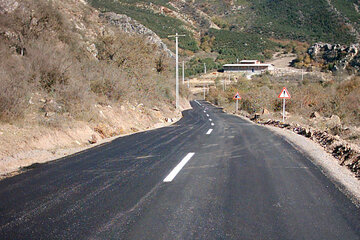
{"points": [[243, 28]]}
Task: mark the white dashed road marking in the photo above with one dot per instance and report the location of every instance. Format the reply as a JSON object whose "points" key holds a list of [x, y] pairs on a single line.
{"points": [[209, 132], [178, 168]]}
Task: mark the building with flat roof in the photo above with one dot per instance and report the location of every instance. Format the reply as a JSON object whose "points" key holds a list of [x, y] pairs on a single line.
{"points": [[248, 66], [250, 62]]}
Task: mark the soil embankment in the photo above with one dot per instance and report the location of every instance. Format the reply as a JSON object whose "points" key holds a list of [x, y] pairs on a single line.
{"points": [[22, 145]]}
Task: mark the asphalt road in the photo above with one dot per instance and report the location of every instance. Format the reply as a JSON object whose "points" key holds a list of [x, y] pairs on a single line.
{"points": [[238, 181]]}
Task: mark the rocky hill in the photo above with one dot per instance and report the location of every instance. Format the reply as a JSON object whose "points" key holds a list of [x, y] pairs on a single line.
{"points": [[331, 57], [336, 57], [128, 25]]}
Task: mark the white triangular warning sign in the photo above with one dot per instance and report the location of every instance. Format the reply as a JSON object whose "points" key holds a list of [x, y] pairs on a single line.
{"points": [[284, 94], [237, 96]]}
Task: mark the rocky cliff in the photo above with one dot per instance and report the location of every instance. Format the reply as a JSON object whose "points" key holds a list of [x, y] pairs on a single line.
{"points": [[131, 26], [336, 57]]}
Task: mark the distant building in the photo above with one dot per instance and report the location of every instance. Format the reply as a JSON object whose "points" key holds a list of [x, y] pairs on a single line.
{"points": [[248, 66], [250, 62]]}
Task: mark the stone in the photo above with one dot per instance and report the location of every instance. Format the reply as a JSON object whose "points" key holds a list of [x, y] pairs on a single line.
{"points": [[133, 129], [333, 122], [49, 114], [93, 139], [255, 117], [336, 119], [265, 112], [315, 115]]}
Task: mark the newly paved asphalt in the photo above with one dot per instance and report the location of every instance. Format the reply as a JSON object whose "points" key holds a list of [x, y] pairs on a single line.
{"points": [[242, 182]]}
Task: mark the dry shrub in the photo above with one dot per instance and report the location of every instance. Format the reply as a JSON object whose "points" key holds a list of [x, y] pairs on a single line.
{"points": [[108, 80], [14, 90], [12, 98], [340, 98], [42, 54], [127, 51], [49, 64], [348, 97]]}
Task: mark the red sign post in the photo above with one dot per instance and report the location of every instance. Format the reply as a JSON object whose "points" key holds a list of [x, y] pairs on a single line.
{"points": [[284, 95]]}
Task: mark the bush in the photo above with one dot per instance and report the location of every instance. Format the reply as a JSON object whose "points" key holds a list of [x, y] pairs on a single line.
{"points": [[54, 64], [336, 98], [13, 97], [235, 45]]}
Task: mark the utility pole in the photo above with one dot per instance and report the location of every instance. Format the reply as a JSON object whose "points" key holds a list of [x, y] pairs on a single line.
{"points": [[177, 67], [204, 92], [183, 72]]}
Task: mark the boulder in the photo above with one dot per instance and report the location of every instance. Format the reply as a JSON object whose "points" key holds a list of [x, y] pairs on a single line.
{"points": [[93, 139], [333, 122], [265, 112], [255, 117], [335, 119], [315, 115], [49, 114], [168, 120]]}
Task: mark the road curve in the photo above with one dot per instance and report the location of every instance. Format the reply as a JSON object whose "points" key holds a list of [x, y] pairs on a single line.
{"points": [[209, 176]]}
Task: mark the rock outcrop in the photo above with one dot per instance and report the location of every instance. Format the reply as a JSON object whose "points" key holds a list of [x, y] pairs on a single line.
{"points": [[8, 6], [339, 57], [188, 13], [131, 26]]}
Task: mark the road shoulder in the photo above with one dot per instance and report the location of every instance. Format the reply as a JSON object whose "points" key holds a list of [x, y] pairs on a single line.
{"points": [[344, 179]]}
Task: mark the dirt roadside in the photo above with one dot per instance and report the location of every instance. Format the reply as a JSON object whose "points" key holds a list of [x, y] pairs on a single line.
{"points": [[22, 146]]}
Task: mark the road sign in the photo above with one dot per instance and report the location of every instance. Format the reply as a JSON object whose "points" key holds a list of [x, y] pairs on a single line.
{"points": [[237, 96], [284, 94]]}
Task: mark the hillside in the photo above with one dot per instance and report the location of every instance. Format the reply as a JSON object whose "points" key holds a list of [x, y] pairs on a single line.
{"points": [[69, 76], [99, 64], [333, 21]]}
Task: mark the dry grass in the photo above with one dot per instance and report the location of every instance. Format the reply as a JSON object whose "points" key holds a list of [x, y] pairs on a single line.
{"points": [[340, 98], [42, 53]]}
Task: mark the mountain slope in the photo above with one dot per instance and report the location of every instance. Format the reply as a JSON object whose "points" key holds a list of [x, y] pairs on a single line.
{"points": [[333, 21]]}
